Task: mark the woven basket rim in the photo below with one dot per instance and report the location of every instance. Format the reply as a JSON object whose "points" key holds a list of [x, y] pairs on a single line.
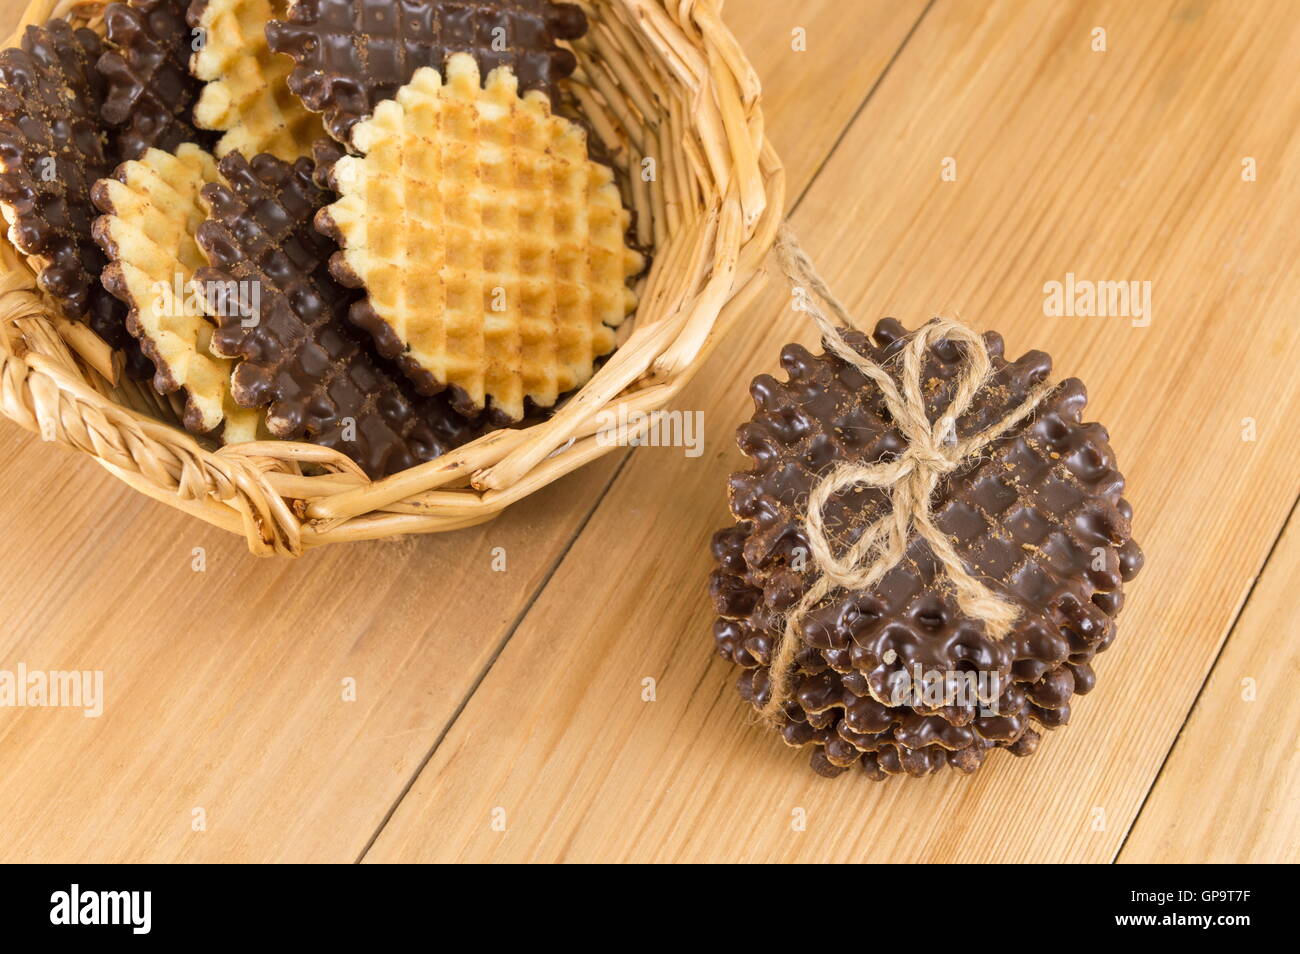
{"points": [[694, 106]]}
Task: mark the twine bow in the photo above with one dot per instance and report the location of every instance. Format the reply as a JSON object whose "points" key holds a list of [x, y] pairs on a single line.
{"points": [[910, 480]]}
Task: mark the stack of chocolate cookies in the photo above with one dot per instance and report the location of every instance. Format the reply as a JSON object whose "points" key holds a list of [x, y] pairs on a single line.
{"points": [[894, 678]]}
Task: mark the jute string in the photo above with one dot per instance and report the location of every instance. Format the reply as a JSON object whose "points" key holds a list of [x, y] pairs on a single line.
{"points": [[910, 480]]}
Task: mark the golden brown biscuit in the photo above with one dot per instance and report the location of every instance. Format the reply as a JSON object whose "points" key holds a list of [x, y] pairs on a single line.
{"points": [[490, 247], [152, 211], [246, 96]]}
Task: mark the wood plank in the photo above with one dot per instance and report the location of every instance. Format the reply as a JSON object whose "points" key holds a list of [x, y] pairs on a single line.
{"points": [[1122, 165], [815, 82], [225, 687], [1230, 792]]}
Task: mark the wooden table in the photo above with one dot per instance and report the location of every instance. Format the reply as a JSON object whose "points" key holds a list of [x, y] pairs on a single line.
{"points": [[411, 702]]}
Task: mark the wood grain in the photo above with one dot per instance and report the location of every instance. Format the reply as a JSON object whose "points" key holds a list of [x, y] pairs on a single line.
{"points": [[1122, 165], [225, 687], [1230, 791]]}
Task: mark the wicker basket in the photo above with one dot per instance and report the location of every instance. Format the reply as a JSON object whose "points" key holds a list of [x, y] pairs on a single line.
{"points": [[656, 78]]}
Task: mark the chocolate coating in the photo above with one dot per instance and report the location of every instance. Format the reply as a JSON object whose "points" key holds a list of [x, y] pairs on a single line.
{"points": [[353, 54], [150, 92], [325, 152], [52, 150], [1038, 515], [302, 358]]}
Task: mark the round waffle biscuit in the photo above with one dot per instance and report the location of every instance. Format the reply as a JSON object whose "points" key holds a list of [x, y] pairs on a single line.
{"points": [[1038, 515], [490, 247]]}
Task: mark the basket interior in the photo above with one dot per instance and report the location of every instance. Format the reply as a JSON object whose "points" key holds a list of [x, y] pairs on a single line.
{"points": [[669, 96]]}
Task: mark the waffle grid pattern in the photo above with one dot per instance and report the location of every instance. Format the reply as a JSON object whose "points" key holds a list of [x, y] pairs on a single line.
{"points": [[50, 97], [351, 55], [302, 359], [245, 96], [472, 281], [146, 67], [152, 209], [52, 154], [1040, 515]]}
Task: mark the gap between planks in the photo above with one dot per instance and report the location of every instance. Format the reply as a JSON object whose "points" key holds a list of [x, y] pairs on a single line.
{"points": [[1209, 675], [1117, 382], [496, 654], [573, 539], [379, 643]]}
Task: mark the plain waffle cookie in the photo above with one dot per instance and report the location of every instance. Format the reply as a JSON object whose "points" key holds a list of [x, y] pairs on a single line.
{"points": [[490, 247]]}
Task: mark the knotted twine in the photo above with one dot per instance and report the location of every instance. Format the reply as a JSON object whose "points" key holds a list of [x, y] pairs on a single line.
{"points": [[909, 480]]}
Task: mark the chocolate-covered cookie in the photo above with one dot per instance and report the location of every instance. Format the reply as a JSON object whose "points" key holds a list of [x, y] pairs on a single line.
{"points": [[895, 678], [353, 54], [53, 148], [150, 92], [300, 357]]}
